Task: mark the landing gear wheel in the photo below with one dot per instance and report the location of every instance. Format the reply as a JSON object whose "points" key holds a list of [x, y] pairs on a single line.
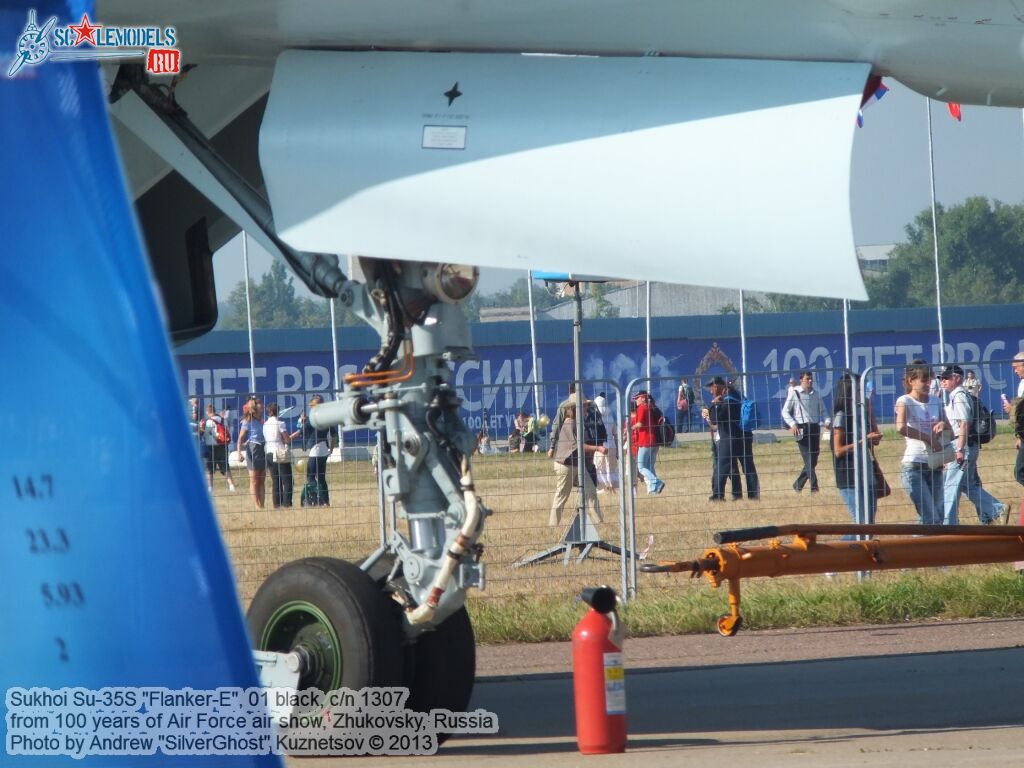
{"points": [[441, 666], [336, 618], [728, 626]]}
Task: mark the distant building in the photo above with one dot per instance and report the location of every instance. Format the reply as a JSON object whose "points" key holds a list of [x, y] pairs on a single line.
{"points": [[667, 300], [503, 314], [629, 297], [874, 259]]}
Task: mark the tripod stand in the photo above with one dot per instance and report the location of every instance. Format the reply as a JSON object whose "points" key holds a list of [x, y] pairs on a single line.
{"points": [[581, 535]]}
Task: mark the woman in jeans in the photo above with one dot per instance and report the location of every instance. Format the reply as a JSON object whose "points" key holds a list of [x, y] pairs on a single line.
{"points": [[277, 440], [316, 465], [921, 420], [646, 441], [250, 435], [844, 429]]}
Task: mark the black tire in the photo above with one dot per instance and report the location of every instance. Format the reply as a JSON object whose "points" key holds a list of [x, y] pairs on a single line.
{"points": [[335, 613], [441, 666]]}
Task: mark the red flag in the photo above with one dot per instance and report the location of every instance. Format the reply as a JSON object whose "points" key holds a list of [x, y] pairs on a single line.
{"points": [[954, 111]]}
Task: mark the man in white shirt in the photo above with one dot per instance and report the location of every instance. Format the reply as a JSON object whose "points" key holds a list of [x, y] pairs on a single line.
{"points": [[961, 474], [972, 384], [804, 413]]}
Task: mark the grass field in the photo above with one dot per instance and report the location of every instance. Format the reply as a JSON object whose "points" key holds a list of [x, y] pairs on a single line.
{"points": [[518, 489]]}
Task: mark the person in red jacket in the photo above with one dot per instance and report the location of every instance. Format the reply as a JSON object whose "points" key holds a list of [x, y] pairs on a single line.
{"points": [[645, 439]]}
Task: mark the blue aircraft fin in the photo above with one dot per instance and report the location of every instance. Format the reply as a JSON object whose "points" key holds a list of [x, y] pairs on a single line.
{"points": [[112, 568]]}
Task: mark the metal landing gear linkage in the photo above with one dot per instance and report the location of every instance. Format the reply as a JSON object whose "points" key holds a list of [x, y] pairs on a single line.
{"points": [[405, 394], [921, 546]]}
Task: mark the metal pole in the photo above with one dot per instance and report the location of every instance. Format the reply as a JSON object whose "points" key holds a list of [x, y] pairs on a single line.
{"points": [[248, 312], [743, 346], [648, 329], [846, 330], [334, 347], [337, 377], [577, 341], [533, 344], [935, 233], [863, 469]]}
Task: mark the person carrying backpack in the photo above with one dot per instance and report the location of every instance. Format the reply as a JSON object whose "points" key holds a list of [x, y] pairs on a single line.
{"points": [[646, 439], [685, 398], [723, 415], [216, 438], [961, 474]]}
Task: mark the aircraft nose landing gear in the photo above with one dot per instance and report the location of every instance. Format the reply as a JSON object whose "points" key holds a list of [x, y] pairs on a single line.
{"points": [[400, 619]]}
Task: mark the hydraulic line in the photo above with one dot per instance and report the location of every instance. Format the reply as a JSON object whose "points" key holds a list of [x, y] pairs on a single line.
{"points": [[462, 544]]}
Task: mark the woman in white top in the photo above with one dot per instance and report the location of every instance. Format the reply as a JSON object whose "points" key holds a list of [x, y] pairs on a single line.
{"points": [[280, 471], [921, 420], [606, 463]]}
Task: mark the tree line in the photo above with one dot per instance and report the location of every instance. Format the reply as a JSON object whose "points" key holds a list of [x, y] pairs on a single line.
{"points": [[981, 261]]}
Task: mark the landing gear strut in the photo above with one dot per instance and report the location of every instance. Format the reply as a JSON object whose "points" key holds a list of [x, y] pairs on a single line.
{"points": [[398, 619]]}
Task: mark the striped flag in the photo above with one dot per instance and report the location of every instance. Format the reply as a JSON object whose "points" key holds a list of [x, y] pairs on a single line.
{"points": [[873, 91]]}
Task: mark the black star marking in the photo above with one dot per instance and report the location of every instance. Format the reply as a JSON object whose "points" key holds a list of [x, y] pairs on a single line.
{"points": [[453, 93]]}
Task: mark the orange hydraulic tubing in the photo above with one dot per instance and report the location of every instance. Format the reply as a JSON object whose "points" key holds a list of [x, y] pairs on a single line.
{"points": [[386, 377]]}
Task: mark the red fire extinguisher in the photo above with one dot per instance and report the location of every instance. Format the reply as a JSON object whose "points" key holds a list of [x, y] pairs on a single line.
{"points": [[599, 677]]}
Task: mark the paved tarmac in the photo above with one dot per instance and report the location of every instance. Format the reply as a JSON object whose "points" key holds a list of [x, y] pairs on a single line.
{"points": [[937, 694]]}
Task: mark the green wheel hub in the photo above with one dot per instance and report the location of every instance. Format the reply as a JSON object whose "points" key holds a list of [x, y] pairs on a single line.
{"points": [[302, 627]]}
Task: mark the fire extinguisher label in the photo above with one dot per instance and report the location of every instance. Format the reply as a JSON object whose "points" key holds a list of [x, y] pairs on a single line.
{"points": [[614, 684]]}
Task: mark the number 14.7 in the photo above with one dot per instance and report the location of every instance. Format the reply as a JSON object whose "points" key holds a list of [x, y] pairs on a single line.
{"points": [[29, 488]]}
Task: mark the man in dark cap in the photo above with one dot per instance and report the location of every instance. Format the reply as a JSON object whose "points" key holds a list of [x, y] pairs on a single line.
{"points": [[723, 415], [961, 475]]}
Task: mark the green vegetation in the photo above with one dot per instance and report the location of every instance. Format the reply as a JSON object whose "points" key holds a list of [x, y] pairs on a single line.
{"points": [[993, 591], [602, 307], [274, 305], [981, 260]]}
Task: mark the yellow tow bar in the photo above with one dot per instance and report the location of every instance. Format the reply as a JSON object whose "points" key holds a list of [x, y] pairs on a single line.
{"points": [[920, 546]]}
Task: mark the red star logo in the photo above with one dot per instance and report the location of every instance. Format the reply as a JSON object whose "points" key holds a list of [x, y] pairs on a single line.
{"points": [[85, 31]]}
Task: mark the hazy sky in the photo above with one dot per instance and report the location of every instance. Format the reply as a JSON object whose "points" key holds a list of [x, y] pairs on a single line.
{"points": [[983, 155]]}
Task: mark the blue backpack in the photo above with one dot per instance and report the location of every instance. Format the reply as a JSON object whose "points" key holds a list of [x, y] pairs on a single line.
{"points": [[749, 420]]}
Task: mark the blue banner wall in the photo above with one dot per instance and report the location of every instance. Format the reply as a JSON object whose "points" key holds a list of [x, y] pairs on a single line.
{"points": [[499, 383]]}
